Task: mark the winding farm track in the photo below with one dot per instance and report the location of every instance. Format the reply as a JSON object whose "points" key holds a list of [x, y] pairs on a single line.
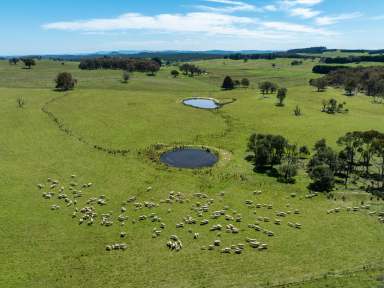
{"points": [[70, 133], [228, 120]]}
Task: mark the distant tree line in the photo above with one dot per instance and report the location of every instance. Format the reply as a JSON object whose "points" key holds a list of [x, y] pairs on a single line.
{"points": [[353, 59], [325, 69], [310, 50], [267, 56], [360, 157], [126, 64]]}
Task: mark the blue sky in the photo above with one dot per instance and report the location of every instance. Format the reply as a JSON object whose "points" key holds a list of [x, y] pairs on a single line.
{"points": [[72, 26]]}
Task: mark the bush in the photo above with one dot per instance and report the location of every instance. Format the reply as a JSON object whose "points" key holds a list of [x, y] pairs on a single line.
{"points": [[228, 83], [65, 81]]}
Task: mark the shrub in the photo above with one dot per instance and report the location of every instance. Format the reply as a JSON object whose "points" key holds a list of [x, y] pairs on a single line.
{"points": [[65, 81]]}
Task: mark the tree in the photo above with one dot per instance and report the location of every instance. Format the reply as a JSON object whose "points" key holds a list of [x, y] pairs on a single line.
{"points": [[350, 87], [157, 60], [228, 83], [29, 62], [323, 178], [245, 82], [304, 151], [287, 170], [281, 95], [267, 150], [65, 81], [152, 68], [14, 61], [319, 83], [175, 73], [267, 87], [126, 76]]}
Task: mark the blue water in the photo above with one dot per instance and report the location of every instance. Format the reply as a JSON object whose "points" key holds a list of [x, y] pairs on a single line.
{"points": [[189, 158], [201, 103]]}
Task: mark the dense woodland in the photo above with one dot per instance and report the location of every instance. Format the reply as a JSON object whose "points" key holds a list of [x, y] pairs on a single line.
{"points": [[127, 64], [353, 59]]}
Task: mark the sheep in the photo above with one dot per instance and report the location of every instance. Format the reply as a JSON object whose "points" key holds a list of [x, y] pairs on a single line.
{"points": [[254, 244], [211, 247], [216, 227], [40, 186], [277, 221], [196, 236], [123, 234], [226, 250], [55, 207], [217, 242]]}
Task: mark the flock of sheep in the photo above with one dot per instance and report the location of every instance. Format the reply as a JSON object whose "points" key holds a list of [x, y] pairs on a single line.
{"points": [[362, 207], [88, 211]]}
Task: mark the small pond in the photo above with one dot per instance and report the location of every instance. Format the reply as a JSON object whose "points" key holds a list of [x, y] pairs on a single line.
{"points": [[202, 103], [191, 158]]}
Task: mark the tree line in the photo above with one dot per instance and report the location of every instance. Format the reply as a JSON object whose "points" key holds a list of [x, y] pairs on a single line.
{"points": [[367, 80], [353, 59], [360, 159], [127, 64], [267, 56]]}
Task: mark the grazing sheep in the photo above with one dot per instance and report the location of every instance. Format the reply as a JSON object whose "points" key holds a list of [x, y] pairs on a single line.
{"points": [[196, 236], [226, 250], [216, 227]]}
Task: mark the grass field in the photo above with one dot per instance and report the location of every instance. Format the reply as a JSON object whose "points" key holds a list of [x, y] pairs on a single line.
{"points": [[45, 248]]}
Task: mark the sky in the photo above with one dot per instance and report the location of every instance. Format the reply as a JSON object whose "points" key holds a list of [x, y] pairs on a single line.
{"points": [[83, 26]]}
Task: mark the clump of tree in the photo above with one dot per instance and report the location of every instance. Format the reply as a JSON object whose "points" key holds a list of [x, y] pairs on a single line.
{"points": [[228, 83], [267, 87], [319, 83], [175, 73], [281, 95], [28, 62], [331, 106], [64, 81], [191, 70], [127, 64], [273, 153], [367, 80], [296, 62], [361, 156], [326, 69]]}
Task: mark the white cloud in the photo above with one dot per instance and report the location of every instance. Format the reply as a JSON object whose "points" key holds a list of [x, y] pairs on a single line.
{"points": [[292, 3], [200, 22], [291, 27], [231, 6], [330, 20], [191, 22], [271, 8], [305, 13]]}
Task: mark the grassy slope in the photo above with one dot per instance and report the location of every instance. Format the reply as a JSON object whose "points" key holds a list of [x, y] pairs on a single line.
{"points": [[48, 249]]}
